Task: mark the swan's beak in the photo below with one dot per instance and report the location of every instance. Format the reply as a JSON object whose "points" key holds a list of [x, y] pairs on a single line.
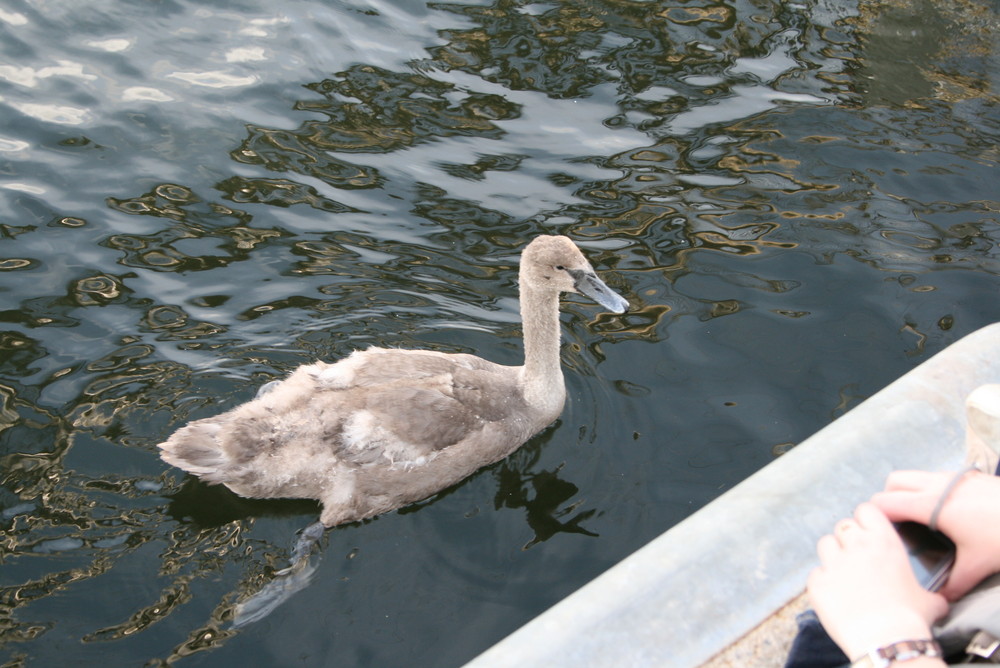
{"points": [[587, 283]]}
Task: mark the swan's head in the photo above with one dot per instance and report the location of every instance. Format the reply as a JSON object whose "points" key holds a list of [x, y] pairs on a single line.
{"points": [[555, 263]]}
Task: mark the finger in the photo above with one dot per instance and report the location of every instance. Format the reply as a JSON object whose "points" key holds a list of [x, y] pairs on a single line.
{"points": [[956, 588], [961, 580], [936, 605], [844, 526], [814, 583], [849, 532], [827, 548], [915, 481], [870, 516], [928, 494], [901, 506]]}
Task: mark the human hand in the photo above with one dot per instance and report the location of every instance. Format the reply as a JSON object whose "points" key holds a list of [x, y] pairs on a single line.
{"points": [[864, 591], [970, 516]]}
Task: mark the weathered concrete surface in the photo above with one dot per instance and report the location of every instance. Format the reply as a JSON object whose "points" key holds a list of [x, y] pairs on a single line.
{"points": [[767, 645], [735, 564]]}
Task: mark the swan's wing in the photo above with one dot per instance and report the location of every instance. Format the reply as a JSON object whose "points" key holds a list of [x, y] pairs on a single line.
{"points": [[410, 422]]}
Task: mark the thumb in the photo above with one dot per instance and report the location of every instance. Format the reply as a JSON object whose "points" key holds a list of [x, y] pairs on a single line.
{"points": [[937, 606], [901, 506]]}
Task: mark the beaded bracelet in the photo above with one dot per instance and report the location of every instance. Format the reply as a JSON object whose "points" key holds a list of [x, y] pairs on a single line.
{"points": [[899, 651]]}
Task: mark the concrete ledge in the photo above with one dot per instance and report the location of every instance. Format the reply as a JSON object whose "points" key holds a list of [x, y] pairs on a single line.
{"points": [[737, 563]]}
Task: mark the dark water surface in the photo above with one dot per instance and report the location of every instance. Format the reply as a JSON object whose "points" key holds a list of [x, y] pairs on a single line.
{"points": [[799, 199]]}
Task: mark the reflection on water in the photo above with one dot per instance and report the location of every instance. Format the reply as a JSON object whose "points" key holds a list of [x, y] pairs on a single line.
{"points": [[798, 200]]}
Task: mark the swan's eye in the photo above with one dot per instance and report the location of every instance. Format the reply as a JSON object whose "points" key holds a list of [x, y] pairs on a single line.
{"points": [[560, 267]]}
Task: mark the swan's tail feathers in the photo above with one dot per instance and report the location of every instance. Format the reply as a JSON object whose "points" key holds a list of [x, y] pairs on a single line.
{"points": [[197, 449]]}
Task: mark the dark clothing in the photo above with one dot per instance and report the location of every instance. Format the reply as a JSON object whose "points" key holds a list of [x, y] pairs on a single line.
{"points": [[813, 647]]}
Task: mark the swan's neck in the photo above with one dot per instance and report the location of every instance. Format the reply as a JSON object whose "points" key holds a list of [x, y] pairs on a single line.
{"points": [[543, 379]]}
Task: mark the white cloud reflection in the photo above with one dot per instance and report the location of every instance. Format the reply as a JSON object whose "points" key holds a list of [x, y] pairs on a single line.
{"points": [[53, 113], [257, 27], [12, 145], [245, 54], [110, 45], [13, 18], [30, 76], [24, 188], [145, 94], [214, 79]]}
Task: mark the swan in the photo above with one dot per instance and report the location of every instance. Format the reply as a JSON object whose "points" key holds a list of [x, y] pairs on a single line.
{"points": [[383, 428]]}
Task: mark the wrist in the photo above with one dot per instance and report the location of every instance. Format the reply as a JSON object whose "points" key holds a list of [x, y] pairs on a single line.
{"points": [[914, 653], [887, 627]]}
